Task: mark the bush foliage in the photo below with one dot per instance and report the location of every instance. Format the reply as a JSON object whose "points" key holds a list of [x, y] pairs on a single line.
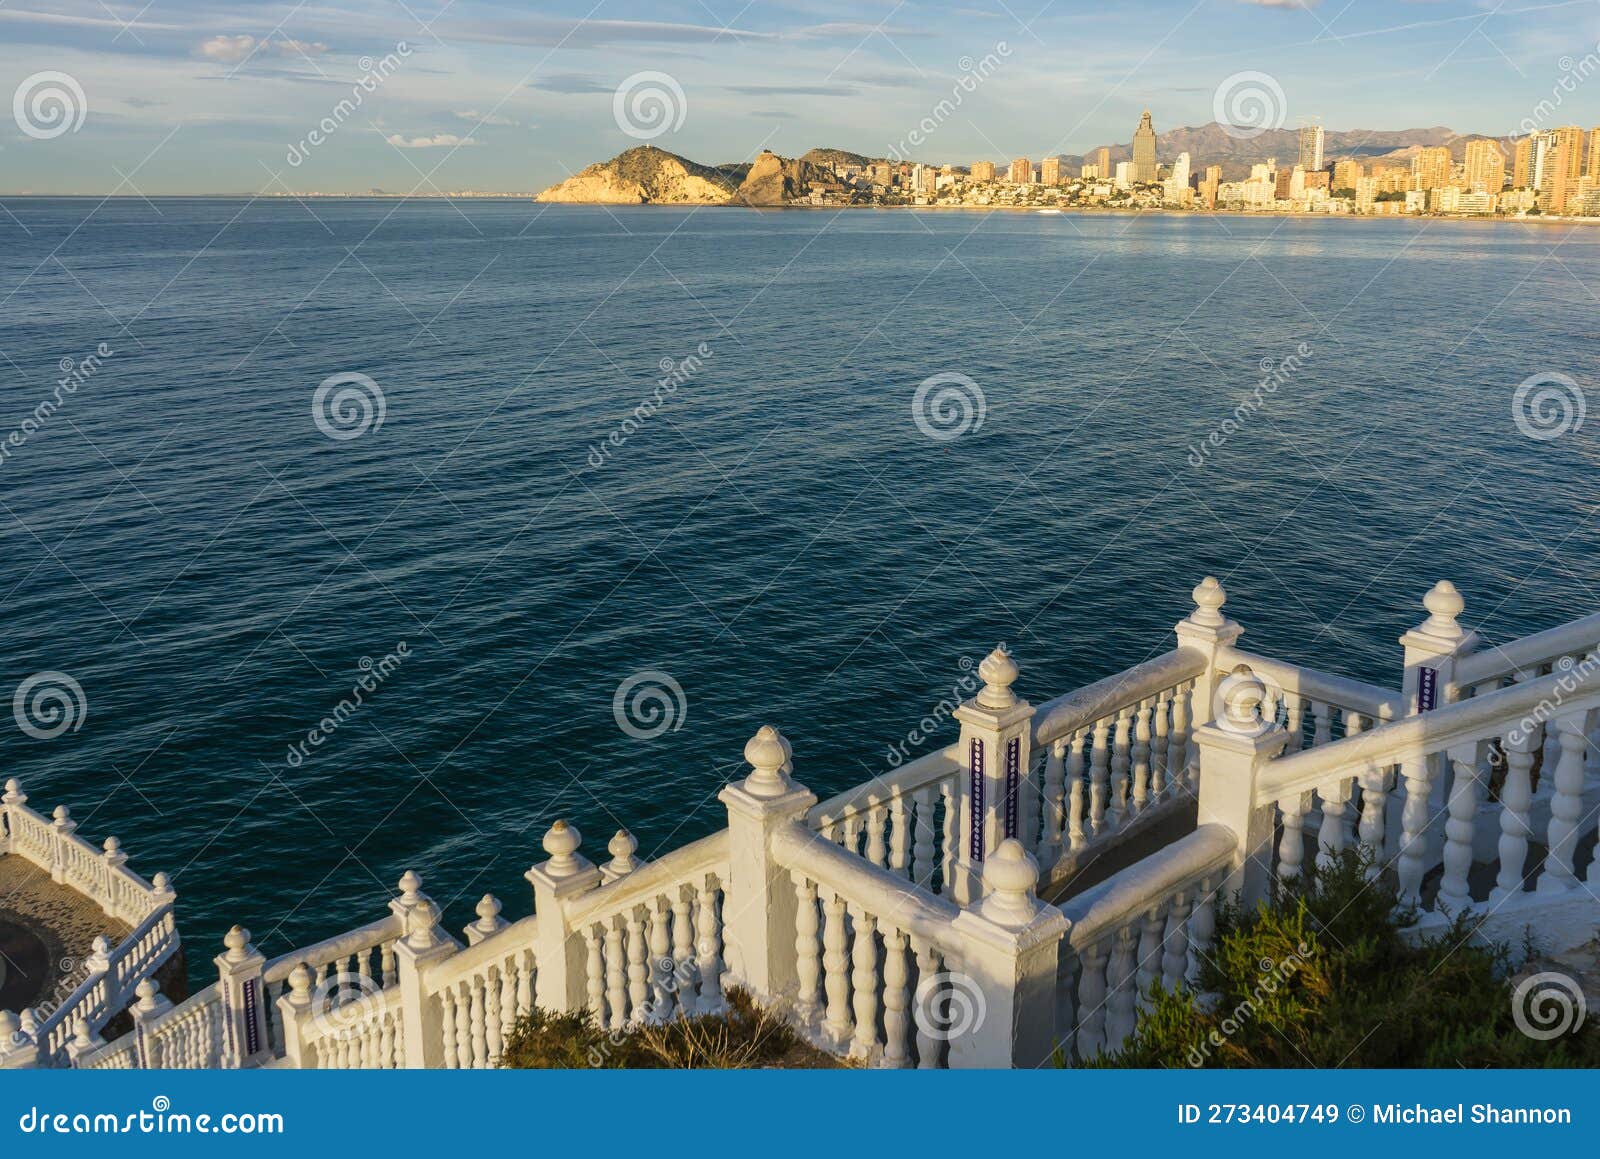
{"points": [[1320, 976], [742, 1036]]}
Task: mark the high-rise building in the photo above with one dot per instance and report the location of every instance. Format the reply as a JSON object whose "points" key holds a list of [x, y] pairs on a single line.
{"points": [[1431, 169], [1124, 175], [1090, 172], [1177, 184], [1592, 169], [1103, 159], [1560, 165], [1522, 163], [1311, 142], [1486, 167], [1050, 171], [1021, 172], [1210, 184], [983, 170], [1346, 173], [1285, 184], [1144, 150]]}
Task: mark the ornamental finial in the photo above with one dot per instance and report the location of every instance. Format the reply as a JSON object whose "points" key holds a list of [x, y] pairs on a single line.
{"points": [[999, 673], [1444, 604], [1209, 596], [769, 754]]}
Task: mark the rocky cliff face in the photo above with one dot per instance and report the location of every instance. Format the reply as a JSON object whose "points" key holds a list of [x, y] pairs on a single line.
{"points": [[644, 176], [774, 180]]}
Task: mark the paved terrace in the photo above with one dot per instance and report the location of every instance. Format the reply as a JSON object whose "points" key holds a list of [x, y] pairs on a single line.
{"points": [[45, 933]]}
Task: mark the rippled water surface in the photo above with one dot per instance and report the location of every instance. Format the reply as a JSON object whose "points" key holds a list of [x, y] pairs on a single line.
{"points": [[779, 538]]}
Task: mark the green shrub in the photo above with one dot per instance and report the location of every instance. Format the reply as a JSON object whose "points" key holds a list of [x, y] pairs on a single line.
{"points": [[1320, 976], [742, 1036]]}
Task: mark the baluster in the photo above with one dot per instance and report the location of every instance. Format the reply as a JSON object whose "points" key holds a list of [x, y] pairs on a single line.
{"points": [[524, 984], [709, 946], [899, 834], [1202, 928], [1374, 800], [508, 998], [1296, 721], [834, 962], [492, 1018], [1516, 796], [683, 961], [1322, 732], [661, 996], [1075, 837], [1099, 776], [928, 979], [1454, 888], [947, 848], [895, 1022], [1150, 952], [595, 975], [1175, 943], [638, 970], [1330, 838], [1414, 828], [1122, 979], [923, 864], [1178, 760], [386, 1043], [478, 1017], [877, 851], [1158, 747], [1566, 807], [807, 961], [1054, 813], [1292, 845], [1077, 818], [852, 833], [864, 981], [464, 1032], [1125, 793], [616, 977], [1140, 754], [1092, 991], [447, 1024]]}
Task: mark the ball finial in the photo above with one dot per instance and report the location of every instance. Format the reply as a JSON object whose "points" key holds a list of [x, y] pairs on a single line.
{"points": [[1240, 696], [1444, 604], [1010, 876], [998, 672], [769, 754], [237, 940], [621, 847], [1209, 596], [561, 842]]}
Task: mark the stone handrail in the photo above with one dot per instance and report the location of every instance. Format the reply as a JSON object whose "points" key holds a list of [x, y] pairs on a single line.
{"points": [[928, 769], [1576, 639], [1058, 719], [686, 864], [1479, 718], [902, 821], [1146, 925], [330, 950], [365, 1033], [1372, 701]]}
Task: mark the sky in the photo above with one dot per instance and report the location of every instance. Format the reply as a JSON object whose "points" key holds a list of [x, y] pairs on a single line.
{"points": [[150, 97]]}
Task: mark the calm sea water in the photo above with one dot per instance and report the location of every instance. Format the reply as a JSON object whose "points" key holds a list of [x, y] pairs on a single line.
{"points": [[780, 538]]}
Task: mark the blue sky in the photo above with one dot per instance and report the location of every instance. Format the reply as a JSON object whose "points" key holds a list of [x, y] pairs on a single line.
{"points": [[198, 96]]}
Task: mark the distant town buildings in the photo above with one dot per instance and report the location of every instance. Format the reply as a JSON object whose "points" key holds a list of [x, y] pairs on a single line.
{"points": [[1312, 138], [1050, 171], [1144, 150]]}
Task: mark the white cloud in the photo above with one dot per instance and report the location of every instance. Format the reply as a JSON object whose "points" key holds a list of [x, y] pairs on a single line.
{"points": [[306, 47], [478, 118], [228, 49], [438, 140]]}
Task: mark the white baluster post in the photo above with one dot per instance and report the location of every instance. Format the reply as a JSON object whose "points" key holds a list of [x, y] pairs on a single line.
{"points": [[561, 979], [1207, 631], [1234, 749], [244, 1002], [421, 944], [759, 907], [995, 748]]}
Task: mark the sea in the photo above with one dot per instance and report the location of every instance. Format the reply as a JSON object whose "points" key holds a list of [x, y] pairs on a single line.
{"points": [[347, 537]]}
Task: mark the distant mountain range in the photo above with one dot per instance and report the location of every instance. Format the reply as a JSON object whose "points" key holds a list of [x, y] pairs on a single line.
{"points": [[648, 175]]}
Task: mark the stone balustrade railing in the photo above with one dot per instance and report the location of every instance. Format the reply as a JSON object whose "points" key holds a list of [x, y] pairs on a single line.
{"points": [[111, 974], [1147, 924], [1488, 668], [899, 924], [903, 821]]}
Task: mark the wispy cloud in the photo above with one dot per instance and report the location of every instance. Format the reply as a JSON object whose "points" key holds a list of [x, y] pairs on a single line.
{"points": [[437, 141], [571, 82]]}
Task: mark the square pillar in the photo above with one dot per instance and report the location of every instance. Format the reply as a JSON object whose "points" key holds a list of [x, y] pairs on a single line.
{"points": [[1233, 751], [995, 749], [559, 952]]}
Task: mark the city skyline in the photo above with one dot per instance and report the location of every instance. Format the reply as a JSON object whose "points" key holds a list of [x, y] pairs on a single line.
{"points": [[188, 98]]}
